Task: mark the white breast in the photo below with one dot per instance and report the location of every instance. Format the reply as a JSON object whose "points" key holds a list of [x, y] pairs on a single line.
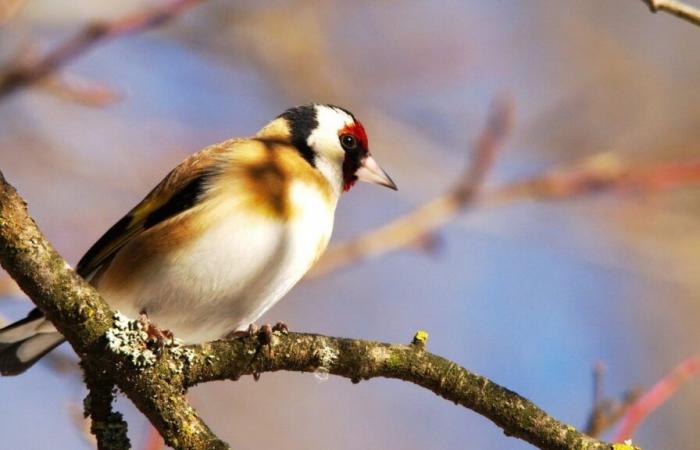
{"points": [[232, 274]]}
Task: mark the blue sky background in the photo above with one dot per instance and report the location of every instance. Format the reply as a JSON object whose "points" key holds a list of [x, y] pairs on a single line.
{"points": [[529, 294]]}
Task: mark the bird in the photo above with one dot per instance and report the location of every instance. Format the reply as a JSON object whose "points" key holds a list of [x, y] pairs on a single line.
{"points": [[224, 236]]}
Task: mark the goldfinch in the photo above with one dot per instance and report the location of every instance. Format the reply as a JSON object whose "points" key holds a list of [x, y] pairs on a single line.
{"points": [[224, 235]]}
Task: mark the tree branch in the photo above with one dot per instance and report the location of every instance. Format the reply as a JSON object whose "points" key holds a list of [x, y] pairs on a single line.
{"points": [[78, 311], [108, 427], [603, 172], [362, 360], [677, 8], [20, 75], [80, 314], [657, 395], [413, 227], [606, 411]]}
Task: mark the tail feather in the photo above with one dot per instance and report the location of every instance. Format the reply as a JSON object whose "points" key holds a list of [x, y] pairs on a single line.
{"points": [[24, 342], [22, 329]]}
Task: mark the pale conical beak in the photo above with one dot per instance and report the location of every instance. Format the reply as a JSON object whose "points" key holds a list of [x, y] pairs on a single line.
{"points": [[370, 172]]}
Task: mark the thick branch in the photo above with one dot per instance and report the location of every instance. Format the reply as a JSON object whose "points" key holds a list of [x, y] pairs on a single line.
{"points": [[108, 427], [678, 9], [78, 311], [362, 360]]}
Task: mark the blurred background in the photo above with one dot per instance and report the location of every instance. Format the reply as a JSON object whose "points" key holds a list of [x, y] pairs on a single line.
{"points": [[528, 293]]}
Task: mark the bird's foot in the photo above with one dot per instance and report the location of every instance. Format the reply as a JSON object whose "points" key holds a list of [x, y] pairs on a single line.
{"points": [[240, 334], [267, 330], [264, 333], [161, 337], [281, 327]]}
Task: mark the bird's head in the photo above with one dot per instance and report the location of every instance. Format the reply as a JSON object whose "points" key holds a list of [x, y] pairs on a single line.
{"points": [[333, 141]]}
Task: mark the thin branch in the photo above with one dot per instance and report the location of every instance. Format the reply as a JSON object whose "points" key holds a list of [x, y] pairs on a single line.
{"points": [[153, 440], [606, 412], [677, 8], [20, 75], [413, 227], [657, 395], [77, 310], [79, 90], [603, 172]]}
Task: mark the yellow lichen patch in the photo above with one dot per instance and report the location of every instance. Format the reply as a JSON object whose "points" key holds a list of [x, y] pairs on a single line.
{"points": [[420, 338], [624, 446]]}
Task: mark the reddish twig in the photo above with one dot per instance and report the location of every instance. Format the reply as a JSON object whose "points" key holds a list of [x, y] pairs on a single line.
{"points": [[603, 172], [20, 75], [153, 440], [656, 396]]}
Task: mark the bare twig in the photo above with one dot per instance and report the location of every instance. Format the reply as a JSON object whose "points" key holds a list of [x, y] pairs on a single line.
{"points": [[79, 90], [421, 222], [606, 412], [600, 173], [604, 172], [656, 396], [153, 440], [19, 75], [677, 8]]}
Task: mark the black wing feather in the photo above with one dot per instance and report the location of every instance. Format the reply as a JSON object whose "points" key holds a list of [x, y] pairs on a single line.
{"points": [[180, 201]]}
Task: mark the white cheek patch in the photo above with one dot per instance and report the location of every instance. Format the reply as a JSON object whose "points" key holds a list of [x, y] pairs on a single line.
{"points": [[324, 139], [325, 143]]}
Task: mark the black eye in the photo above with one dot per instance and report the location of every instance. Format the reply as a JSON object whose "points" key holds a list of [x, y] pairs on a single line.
{"points": [[348, 141]]}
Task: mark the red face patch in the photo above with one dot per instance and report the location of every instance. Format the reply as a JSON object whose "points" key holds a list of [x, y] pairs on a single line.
{"points": [[354, 156], [356, 129]]}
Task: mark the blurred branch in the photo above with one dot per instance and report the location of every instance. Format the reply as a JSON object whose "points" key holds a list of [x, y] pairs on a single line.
{"points": [[606, 412], [19, 75], [153, 440], [604, 172], [678, 9], [9, 8], [415, 226], [600, 173], [79, 90], [657, 395], [80, 314]]}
